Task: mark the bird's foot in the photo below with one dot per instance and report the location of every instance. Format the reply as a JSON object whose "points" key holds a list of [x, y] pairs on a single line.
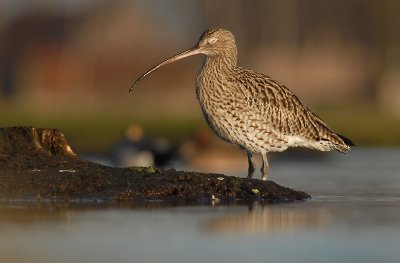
{"points": [[264, 178]]}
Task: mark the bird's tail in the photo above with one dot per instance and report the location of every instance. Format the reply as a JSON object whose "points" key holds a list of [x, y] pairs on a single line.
{"points": [[336, 141], [345, 146]]}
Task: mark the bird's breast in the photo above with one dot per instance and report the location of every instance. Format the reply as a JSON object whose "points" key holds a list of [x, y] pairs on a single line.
{"points": [[210, 94], [221, 107]]}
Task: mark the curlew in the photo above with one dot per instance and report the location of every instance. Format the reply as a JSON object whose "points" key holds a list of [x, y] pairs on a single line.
{"points": [[250, 109]]}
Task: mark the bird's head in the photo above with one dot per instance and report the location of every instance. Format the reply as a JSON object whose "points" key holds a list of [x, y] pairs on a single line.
{"points": [[212, 43], [216, 42]]}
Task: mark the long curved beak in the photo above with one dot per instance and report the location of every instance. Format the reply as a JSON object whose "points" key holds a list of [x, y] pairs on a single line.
{"points": [[190, 52]]}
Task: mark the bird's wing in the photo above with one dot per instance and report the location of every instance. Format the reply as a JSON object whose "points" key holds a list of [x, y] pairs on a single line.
{"points": [[283, 111]]}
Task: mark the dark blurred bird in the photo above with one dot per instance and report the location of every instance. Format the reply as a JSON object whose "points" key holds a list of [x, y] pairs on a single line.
{"points": [[251, 109], [136, 149]]}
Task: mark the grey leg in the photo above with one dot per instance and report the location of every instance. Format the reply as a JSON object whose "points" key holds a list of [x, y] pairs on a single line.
{"points": [[265, 167], [252, 164]]}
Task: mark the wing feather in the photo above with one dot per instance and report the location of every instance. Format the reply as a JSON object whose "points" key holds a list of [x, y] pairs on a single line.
{"points": [[284, 112]]}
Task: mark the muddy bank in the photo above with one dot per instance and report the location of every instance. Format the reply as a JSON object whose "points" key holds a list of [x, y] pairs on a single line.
{"points": [[38, 164]]}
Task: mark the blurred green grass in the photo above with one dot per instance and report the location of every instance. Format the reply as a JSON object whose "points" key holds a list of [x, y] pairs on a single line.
{"points": [[97, 131], [366, 125]]}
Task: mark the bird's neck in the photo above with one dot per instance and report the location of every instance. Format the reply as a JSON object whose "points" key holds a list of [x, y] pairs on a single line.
{"points": [[213, 74], [218, 65], [215, 71], [221, 63]]}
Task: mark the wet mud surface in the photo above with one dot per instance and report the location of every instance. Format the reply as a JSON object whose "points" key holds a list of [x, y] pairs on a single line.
{"points": [[38, 165]]}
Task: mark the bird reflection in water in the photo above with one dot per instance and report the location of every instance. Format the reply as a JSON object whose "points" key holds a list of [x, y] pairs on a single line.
{"points": [[266, 219]]}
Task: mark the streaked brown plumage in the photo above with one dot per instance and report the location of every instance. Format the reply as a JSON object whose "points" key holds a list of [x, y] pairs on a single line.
{"points": [[251, 109]]}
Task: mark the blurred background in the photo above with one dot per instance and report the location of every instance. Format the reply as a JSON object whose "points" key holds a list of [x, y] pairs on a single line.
{"points": [[68, 64]]}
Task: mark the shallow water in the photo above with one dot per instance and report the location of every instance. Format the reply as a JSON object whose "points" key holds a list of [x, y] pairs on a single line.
{"points": [[354, 216]]}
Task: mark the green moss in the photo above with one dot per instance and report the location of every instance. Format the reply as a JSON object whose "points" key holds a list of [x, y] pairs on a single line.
{"points": [[136, 169], [147, 170], [235, 182]]}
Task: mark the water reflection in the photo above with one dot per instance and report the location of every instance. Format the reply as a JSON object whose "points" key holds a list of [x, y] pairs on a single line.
{"points": [[24, 215], [28, 213], [25, 212], [261, 220], [368, 227]]}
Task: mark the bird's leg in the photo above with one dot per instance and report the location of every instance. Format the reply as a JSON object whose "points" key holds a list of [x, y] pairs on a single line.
{"points": [[265, 167], [252, 164]]}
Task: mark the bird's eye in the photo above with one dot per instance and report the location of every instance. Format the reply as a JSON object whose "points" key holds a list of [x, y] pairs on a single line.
{"points": [[212, 40]]}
